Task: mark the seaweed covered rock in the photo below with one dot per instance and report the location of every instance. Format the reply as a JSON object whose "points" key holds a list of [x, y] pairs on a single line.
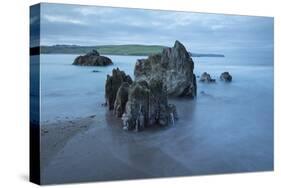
{"points": [[225, 76], [147, 105], [121, 99], [112, 85], [158, 103], [137, 106], [92, 58], [174, 66], [205, 77]]}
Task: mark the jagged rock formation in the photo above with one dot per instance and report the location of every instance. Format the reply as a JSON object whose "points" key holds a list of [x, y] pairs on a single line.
{"points": [[144, 102], [148, 105], [173, 66], [112, 85], [92, 58], [225, 76], [205, 77]]}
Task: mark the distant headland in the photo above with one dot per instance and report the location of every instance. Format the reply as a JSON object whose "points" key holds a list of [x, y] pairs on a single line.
{"points": [[128, 49]]}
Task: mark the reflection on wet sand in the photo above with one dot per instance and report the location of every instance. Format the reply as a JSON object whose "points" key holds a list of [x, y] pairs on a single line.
{"points": [[98, 149], [54, 136]]}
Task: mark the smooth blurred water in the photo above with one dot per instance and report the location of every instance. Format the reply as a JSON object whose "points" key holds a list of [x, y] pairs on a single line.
{"points": [[75, 91], [227, 128], [69, 91]]}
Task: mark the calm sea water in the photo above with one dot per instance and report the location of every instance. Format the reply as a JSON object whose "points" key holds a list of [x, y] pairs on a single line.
{"points": [[228, 128], [69, 91]]}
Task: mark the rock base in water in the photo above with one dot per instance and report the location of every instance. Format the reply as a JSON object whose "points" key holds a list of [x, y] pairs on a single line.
{"points": [[147, 106]]}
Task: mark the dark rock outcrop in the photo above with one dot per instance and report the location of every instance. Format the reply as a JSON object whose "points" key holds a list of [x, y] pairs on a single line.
{"points": [[173, 66], [147, 105], [225, 76], [112, 85], [144, 102], [92, 58], [205, 77]]}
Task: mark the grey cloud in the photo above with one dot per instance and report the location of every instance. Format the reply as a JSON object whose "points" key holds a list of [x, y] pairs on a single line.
{"points": [[90, 25]]}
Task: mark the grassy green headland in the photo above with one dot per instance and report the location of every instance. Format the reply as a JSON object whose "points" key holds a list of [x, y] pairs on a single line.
{"points": [[130, 49]]}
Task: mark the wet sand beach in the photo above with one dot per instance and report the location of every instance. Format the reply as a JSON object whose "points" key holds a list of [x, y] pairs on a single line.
{"points": [[97, 149]]}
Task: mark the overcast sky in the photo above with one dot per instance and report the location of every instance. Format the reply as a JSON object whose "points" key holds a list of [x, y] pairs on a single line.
{"points": [[90, 25]]}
